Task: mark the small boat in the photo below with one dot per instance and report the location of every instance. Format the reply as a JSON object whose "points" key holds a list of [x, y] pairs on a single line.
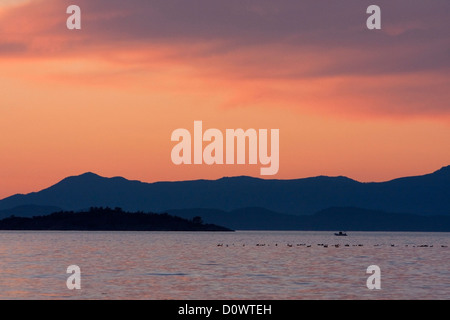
{"points": [[340, 234]]}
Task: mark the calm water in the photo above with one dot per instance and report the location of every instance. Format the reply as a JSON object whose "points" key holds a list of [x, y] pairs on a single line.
{"points": [[185, 265]]}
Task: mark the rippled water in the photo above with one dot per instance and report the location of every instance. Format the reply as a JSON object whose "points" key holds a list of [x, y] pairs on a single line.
{"points": [[249, 265]]}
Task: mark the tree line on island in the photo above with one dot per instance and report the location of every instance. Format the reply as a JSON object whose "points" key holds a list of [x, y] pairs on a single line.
{"points": [[108, 219]]}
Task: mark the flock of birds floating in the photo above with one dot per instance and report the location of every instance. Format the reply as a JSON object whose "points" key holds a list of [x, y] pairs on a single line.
{"points": [[290, 245]]}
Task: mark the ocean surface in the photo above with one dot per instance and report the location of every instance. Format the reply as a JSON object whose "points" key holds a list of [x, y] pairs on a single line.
{"points": [[221, 265]]}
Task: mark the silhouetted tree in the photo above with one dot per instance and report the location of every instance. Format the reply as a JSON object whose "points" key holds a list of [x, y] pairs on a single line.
{"points": [[197, 220]]}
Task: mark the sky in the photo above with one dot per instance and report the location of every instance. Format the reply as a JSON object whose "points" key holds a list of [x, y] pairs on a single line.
{"points": [[372, 105]]}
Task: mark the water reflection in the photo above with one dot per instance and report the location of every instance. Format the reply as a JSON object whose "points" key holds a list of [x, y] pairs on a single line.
{"points": [[248, 265]]}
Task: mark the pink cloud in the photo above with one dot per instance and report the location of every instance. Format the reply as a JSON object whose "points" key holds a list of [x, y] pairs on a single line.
{"points": [[272, 49]]}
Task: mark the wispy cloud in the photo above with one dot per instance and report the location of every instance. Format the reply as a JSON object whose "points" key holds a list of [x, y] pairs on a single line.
{"points": [[402, 69]]}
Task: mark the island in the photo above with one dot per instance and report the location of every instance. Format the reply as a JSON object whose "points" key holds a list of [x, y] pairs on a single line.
{"points": [[108, 219]]}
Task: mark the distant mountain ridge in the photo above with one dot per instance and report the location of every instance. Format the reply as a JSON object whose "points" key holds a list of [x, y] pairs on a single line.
{"points": [[28, 211], [424, 195], [336, 218]]}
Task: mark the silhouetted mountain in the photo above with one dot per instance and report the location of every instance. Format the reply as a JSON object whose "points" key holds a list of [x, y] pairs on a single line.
{"points": [[337, 218], [428, 194], [105, 219], [356, 219], [28, 211], [244, 219]]}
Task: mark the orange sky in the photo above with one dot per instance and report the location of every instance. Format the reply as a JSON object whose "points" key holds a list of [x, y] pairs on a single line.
{"points": [[370, 105]]}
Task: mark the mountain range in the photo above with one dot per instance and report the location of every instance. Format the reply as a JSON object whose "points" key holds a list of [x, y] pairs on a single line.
{"points": [[282, 200], [335, 218]]}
